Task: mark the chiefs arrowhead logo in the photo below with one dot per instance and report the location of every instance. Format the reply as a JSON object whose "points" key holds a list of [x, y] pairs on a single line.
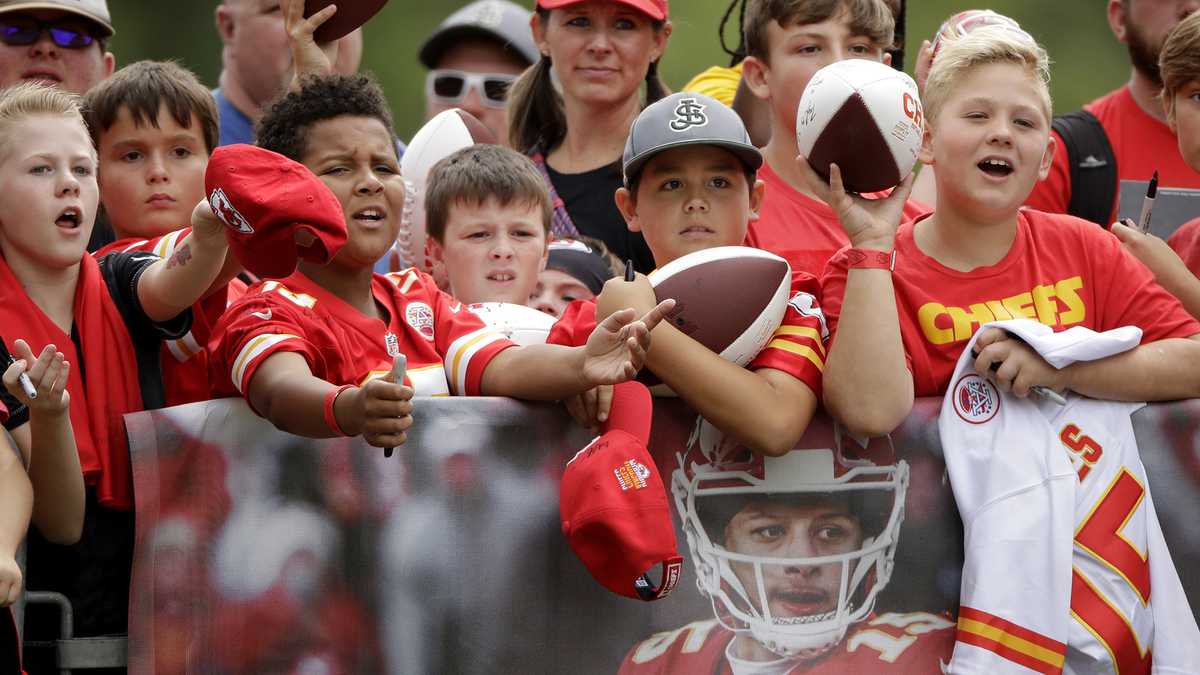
{"points": [[221, 206]]}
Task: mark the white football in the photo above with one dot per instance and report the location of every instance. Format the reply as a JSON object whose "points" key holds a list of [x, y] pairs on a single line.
{"points": [[523, 325], [866, 118], [446, 133]]}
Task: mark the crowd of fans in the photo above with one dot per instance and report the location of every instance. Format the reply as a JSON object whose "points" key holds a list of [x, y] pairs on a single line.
{"points": [[119, 292]]}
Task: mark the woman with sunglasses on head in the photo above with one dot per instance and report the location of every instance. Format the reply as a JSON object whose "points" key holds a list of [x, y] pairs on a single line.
{"points": [[600, 51], [473, 57]]}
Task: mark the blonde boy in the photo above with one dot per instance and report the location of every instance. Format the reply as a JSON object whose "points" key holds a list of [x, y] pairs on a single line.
{"points": [[977, 257]]}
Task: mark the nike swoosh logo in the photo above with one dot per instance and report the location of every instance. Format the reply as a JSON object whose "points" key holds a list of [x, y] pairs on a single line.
{"points": [[144, 256], [265, 316]]}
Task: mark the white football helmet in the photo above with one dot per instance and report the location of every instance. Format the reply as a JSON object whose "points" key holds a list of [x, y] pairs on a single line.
{"points": [[717, 477]]}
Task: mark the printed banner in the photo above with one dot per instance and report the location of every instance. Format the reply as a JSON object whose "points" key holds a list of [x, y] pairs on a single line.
{"points": [[261, 552]]}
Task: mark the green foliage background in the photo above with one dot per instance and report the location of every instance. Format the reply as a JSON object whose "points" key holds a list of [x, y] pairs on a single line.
{"points": [[1088, 61]]}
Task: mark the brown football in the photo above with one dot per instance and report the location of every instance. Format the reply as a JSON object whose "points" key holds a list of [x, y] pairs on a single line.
{"points": [[350, 15]]}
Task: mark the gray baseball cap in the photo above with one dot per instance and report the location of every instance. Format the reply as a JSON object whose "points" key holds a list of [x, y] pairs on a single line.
{"points": [[94, 10], [498, 20], [683, 119]]}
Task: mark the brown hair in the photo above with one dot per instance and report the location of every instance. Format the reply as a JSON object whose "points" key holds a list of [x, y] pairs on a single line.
{"points": [[870, 18], [478, 173], [145, 86], [1179, 60], [537, 122]]}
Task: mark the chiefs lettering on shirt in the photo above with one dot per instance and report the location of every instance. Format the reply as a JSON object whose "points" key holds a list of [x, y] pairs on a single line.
{"points": [[1142, 145], [797, 347], [803, 230], [914, 643], [1061, 270], [447, 346]]}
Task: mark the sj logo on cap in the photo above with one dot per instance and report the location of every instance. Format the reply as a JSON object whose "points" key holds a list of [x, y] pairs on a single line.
{"points": [[632, 475], [221, 206], [689, 113]]}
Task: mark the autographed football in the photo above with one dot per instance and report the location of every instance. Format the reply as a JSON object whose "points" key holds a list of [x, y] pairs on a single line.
{"points": [[446, 133], [866, 118], [350, 15], [523, 325], [730, 299]]}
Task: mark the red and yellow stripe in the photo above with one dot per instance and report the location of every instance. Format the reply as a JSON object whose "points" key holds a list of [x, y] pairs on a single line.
{"points": [[1010, 641]]}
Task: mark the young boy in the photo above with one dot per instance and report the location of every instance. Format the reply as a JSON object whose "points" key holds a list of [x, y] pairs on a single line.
{"points": [[576, 269], [155, 126], [899, 329], [1179, 63], [488, 220], [107, 316], [310, 352], [689, 175], [788, 41]]}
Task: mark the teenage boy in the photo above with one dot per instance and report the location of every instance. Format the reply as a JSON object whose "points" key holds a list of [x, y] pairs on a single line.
{"points": [[900, 328], [488, 220], [689, 171], [154, 126], [1179, 64], [312, 352], [788, 41]]}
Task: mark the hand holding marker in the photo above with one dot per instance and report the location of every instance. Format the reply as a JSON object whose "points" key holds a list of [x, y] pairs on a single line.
{"points": [[399, 365], [23, 378]]}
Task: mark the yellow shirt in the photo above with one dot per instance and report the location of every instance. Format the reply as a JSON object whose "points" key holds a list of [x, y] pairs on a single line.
{"points": [[717, 82]]}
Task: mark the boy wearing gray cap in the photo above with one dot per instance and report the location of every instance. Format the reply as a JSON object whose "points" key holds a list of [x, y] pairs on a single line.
{"points": [[690, 184]]}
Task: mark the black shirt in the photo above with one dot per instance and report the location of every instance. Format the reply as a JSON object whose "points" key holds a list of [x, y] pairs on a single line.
{"points": [[94, 573], [591, 201]]}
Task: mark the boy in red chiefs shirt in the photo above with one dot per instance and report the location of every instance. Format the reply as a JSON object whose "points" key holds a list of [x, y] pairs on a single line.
{"points": [[312, 352], [904, 301], [154, 126], [689, 175], [788, 41]]}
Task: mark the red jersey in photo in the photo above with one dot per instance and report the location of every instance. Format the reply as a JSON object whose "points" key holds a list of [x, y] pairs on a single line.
{"points": [[447, 346], [1186, 242], [1061, 270]]}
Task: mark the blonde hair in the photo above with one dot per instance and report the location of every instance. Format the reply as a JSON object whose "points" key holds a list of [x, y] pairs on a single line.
{"points": [[1179, 60], [981, 47], [32, 98]]}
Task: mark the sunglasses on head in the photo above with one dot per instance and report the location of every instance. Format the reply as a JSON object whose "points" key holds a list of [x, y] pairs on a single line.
{"points": [[451, 86], [24, 31]]}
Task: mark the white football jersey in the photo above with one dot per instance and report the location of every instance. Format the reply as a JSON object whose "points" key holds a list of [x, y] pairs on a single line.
{"points": [[1065, 565]]}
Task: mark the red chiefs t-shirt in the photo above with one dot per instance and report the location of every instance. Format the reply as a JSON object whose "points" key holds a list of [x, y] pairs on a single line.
{"points": [[915, 643], [797, 347], [1061, 270], [447, 346], [184, 361], [1141, 144], [1186, 242], [802, 230]]}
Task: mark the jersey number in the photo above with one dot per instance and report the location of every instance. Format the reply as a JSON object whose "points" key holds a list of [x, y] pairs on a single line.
{"points": [[1083, 447], [889, 646]]}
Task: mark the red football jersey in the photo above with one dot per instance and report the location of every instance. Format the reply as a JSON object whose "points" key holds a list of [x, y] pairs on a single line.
{"points": [[447, 346], [800, 229], [1186, 242], [797, 347], [1142, 145], [1061, 270], [184, 361], [917, 643]]}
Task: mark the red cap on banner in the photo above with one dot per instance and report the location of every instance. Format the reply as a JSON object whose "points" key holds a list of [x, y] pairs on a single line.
{"points": [[655, 9], [275, 210], [615, 515]]}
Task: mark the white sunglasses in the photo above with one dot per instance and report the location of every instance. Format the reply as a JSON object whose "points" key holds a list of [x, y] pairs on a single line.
{"points": [[451, 86]]}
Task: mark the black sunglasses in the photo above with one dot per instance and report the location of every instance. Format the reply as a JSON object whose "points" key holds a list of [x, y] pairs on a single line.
{"points": [[20, 32]]}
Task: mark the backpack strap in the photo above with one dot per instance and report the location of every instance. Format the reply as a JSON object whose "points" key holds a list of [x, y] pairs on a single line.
{"points": [[1093, 166]]}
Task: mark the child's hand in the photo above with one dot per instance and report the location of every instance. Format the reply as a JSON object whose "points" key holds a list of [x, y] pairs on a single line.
{"points": [[48, 374], [1013, 365], [10, 581], [616, 349], [308, 58], [1154, 253], [206, 227], [869, 223], [381, 411], [590, 409], [618, 294]]}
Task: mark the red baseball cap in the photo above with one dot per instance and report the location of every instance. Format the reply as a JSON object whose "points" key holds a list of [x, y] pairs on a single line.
{"points": [[615, 515], [275, 210], [655, 9]]}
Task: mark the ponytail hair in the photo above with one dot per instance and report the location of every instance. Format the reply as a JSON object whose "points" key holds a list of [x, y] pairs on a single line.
{"points": [[656, 89], [535, 110]]}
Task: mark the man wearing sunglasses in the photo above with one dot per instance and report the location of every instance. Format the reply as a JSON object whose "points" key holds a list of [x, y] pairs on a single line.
{"points": [[60, 42], [473, 56]]}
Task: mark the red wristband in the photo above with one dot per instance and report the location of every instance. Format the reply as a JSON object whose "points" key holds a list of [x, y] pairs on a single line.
{"points": [[330, 418], [871, 259]]}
